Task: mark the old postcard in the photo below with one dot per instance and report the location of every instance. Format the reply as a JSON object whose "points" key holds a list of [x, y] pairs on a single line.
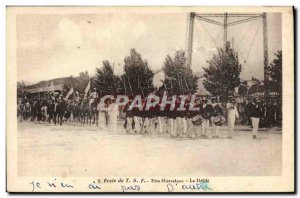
{"points": [[150, 99]]}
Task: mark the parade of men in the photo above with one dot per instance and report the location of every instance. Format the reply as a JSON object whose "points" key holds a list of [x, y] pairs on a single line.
{"points": [[160, 115], [156, 115]]}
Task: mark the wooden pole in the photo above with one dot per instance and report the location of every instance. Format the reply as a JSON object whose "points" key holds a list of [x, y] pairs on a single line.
{"points": [[225, 28], [191, 20], [266, 55]]}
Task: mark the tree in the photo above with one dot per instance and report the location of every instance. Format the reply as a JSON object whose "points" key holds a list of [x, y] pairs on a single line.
{"points": [[21, 89], [21, 85], [222, 73], [179, 78], [106, 82], [80, 83], [84, 74], [68, 84], [274, 72], [138, 77]]}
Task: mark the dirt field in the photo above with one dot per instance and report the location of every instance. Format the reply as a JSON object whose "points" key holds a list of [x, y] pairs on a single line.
{"points": [[48, 150]]}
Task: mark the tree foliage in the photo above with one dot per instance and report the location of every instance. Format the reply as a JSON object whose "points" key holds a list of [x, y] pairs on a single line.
{"points": [[274, 72], [179, 78], [78, 83], [222, 73], [106, 82], [138, 77], [84, 74], [21, 88]]}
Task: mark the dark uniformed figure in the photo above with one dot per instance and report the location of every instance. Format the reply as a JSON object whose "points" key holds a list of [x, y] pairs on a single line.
{"points": [[144, 115], [60, 109], [216, 114], [254, 111], [21, 111], [179, 117], [160, 118], [51, 106], [205, 113], [129, 118], [28, 110], [136, 113], [190, 114]]}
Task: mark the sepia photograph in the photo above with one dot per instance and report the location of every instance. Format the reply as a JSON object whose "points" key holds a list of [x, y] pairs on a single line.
{"points": [[150, 99]]}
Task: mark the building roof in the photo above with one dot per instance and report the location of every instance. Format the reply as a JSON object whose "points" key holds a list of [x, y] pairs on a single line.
{"points": [[45, 89], [47, 85]]}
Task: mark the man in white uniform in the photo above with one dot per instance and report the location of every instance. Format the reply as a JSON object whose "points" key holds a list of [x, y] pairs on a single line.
{"points": [[101, 116], [231, 115], [113, 115]]}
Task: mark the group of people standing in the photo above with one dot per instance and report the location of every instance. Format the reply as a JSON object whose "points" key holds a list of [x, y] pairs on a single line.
{"points": [[204, 122], [270, 112], [173, 120], [52, 110], [57, 109]]}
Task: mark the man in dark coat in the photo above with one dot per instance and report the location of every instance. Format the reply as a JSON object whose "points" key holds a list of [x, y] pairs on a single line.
{"points": [[254, 112]]}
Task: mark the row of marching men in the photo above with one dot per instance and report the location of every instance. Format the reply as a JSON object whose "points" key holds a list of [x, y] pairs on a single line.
{"points": [[176, 123]]}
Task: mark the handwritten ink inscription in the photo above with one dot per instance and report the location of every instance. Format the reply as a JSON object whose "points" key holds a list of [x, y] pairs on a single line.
{"points": [[124, 185], [190, 187], [94, 186], [134, 188], [55, 184], [59, 185]]}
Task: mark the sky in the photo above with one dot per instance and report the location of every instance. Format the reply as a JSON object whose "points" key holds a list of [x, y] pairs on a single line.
{"points": [[53, 46]]}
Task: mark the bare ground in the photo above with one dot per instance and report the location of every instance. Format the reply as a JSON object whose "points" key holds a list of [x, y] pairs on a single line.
{"points": [[75, 150]]}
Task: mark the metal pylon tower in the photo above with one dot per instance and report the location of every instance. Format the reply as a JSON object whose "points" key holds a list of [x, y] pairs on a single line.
{"points": [[241, 18]]}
